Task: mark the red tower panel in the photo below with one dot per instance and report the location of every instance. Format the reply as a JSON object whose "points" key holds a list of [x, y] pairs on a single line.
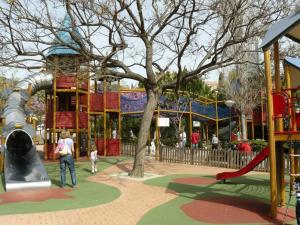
{"points": [[96, 102], [112, 100]]}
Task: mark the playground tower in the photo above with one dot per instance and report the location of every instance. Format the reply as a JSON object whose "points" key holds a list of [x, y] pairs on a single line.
{"points": [[283, 108], [91, 114], [67, 102]]}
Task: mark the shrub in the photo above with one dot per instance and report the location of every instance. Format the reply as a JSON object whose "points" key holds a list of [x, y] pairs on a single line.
{"points": [[258, 144]]}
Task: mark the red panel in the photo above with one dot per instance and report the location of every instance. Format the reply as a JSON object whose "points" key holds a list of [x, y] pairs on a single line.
{"points": [[96, 102], [67, 119], [83, 120], [69, 81], [113, 147], [279, 104], [112, 100], [83, 100], [65, 81], [100, 146]]}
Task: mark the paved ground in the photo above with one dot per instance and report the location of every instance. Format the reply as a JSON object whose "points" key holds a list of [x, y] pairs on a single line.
{"points": [[135, 201]]}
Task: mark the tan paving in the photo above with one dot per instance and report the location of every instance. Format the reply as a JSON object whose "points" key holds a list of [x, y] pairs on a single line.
{"points": [[135, 201]]}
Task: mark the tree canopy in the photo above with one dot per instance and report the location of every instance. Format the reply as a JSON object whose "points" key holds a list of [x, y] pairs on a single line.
{"points": [[140, 40]]}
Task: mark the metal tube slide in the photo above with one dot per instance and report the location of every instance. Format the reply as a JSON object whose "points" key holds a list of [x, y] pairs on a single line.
{"points": [[23, 168]]}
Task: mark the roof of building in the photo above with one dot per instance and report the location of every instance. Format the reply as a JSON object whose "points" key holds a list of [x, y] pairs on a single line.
{"points": [[295, 62], [289, 27], [65, 37]]}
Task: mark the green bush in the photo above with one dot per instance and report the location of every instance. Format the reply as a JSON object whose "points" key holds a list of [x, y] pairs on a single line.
{"points": [[258, 144]]}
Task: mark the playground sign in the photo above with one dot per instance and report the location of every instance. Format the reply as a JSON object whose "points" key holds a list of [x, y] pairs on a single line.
{"points": [[196, 123], [163, 122]]}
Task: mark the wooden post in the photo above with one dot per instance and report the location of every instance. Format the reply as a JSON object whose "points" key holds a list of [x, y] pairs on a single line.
{"points": [[278, 121], [217, 117], [95, 125], [119, 118], [291, 125], [54, 105], [190, 123], [77, 118], [45, 131], [273, 191], [104, 115], [95, 117], [88, 116], [157, 136], [279, 127]]}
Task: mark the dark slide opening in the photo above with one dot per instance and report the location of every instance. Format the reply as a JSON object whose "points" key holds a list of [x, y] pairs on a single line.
{"points": [[19, 143]]}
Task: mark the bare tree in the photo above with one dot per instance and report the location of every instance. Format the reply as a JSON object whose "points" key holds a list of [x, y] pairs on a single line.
{"points": [[245, 85], [135, 39]]}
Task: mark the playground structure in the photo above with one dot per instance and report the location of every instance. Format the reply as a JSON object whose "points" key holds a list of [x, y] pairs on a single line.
{"points": [[91, 106], [71, 103], [282, 104], [283, 115], [283, 107]]}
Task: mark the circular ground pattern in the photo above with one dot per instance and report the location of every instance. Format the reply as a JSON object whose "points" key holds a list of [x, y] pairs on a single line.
{"points": [[230, 209], [195, 180], [37, 195]]}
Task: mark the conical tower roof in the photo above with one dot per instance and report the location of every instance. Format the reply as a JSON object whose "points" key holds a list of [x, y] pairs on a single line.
{"points": [[65, 37]]}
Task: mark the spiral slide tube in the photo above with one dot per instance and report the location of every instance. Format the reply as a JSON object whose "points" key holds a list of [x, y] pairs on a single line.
{"points": [[23, 168]]}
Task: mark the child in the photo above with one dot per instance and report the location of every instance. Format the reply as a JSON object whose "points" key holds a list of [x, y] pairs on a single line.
{"points": [[152, 148], [94, 158]]}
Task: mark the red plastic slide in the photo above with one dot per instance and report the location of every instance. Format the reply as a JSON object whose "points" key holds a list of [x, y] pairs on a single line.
{"points": [[257, 160]]}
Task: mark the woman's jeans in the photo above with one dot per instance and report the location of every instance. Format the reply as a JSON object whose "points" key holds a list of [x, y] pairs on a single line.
{"points": [[67, 161]]}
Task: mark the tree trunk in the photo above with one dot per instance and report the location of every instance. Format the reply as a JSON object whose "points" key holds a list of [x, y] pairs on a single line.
{"points": [[244, 126], [138, 166]]}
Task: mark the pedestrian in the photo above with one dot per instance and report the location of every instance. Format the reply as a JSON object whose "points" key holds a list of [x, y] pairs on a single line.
{"points": [[195, 137], [114, 133], [215, 142], [182, 139], [152, 148], [94, 157], [65, 148]]}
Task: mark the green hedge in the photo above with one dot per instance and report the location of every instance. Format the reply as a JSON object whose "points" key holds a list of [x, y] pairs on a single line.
{"points": [[258, 144]]}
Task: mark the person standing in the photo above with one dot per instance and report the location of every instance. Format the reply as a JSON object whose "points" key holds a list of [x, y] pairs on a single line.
{"points": [[215, 142], [67, 159], [94, 157], [114, 133], [182, 139], [195, 137]]}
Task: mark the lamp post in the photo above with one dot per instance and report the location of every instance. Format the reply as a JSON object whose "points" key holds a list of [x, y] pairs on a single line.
{"points": [[229, 104]]}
